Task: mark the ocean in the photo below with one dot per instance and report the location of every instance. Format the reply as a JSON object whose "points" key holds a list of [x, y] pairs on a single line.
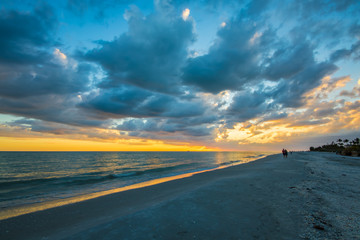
{"points": [[28, 178]]}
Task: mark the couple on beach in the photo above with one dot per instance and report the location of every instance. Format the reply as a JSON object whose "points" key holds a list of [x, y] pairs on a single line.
{"points": [[285, 153]]}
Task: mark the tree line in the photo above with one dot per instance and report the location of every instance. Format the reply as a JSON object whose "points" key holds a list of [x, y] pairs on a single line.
{"points": [[341, 146]]}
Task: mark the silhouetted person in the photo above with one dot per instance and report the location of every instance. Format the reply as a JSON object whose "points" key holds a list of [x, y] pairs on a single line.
{"points": [[285, 153]]}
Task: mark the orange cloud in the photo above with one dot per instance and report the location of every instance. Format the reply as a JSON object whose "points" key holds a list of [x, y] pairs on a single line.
{"points": [[319, 116]]}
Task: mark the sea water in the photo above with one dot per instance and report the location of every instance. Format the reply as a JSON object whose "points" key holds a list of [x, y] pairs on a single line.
{"points": [[39, 177]]}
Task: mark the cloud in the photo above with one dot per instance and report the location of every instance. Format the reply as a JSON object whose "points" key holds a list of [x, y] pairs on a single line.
{"points": [[48, 91], [354, 30], [185, 14], [149, 55], [42, 126], [246, 106], [288, 60], [231, 62], [25, 36], [33, 128], [290, 92], [341, 54], [317, 118], [38, 80], [266, 73], [309, 7], [34, 80], [60, 56], [328, 85], [355, 92], [245, 54], [165, 128], [322, 22], [303, 123], [52, 108], [129, 101], [245, 58]]}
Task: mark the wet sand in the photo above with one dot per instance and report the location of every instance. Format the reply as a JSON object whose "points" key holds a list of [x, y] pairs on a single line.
{"points": [[306, 196]]}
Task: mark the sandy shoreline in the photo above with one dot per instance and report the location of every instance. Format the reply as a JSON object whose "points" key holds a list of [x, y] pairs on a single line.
{"points": [[307, 196], [17, 211]]}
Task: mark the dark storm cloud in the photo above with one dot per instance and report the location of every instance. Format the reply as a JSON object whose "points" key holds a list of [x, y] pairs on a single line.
{"points": [[346, 53], [53, 108], [149, 55], [354, 30], [232, 61], [242, 53], [294, 68], [246, 52], [129, 101], [36, 80], [151, 83], [289, 92], [27, 62], [49, 78], [246, 106], [288, 61], [34, 127], [137, 126], [42, 127], [243, 56], [323, 22], [152, 50], [340, 54], [25, 35]]}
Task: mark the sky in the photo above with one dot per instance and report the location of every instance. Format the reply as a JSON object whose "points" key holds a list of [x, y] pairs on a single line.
{"points": [[172, 75]]}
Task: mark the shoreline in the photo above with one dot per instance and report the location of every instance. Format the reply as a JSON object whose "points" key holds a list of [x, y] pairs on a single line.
{"points": [[306, 196], [35, 207]]}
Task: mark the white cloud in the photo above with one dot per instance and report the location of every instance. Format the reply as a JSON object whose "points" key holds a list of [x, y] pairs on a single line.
{"points": [[185, 14], [60, 56]]}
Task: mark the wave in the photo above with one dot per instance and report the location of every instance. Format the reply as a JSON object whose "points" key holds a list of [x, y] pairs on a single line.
{"points": [[86, 178], [146, 171], [25, 182]]}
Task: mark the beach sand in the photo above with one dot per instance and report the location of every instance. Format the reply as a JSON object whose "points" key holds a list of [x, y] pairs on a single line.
{"points": [[306, 196]]}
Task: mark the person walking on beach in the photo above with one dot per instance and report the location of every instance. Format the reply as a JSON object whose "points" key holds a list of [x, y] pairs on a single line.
{"points": [[285, 153]]}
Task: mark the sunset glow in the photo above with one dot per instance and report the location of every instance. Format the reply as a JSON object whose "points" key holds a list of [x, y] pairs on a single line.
{"points": [[151, 77], [58, 144]]}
